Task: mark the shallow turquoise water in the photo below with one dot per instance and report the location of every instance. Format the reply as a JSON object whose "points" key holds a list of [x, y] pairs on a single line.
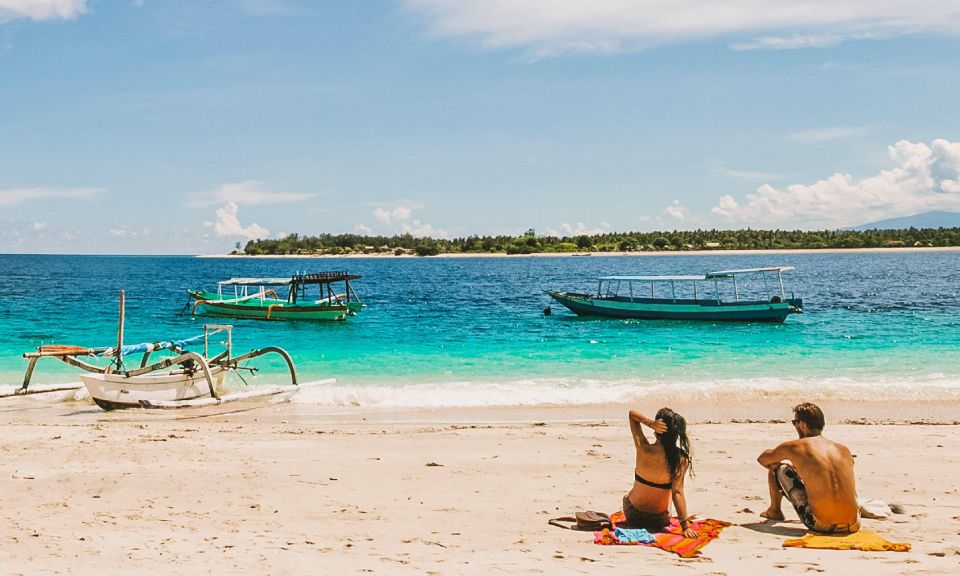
{"points": [[470, 331]]}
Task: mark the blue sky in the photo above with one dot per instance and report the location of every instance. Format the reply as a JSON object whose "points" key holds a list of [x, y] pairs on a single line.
{"points": [[184, 127]]}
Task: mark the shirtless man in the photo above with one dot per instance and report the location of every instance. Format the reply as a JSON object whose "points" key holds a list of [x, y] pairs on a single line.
{"points": [[818, 480]]}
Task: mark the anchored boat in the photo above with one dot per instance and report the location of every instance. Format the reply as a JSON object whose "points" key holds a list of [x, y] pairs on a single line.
{"points": [[333, 299], [187, 379], [705, 297]]}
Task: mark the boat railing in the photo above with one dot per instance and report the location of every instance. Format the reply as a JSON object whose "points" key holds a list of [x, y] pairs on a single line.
{"points": [[679, 288]]}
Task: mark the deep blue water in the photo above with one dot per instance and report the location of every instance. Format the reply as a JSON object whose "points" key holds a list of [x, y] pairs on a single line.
{"points": [[471, 330]]}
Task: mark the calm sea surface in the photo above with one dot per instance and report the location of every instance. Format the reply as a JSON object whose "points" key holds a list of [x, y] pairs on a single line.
{"points": [[471, 331]]}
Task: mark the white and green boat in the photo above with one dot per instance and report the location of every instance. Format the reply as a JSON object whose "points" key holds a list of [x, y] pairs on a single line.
{"points": [[716, 296], [318, 296]]}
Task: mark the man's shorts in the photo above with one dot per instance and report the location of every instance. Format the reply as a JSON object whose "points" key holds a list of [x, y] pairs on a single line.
{"points": [[793, 490]]}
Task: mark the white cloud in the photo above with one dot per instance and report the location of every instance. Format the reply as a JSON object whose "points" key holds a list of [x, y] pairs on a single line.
{"points": [[39, 225], [398, 214], [578, 229], [124, 232], [923, 178], [252, 193], [400, 218], [13, 196], [417, 228], [41, 9], [752, 175], [825, 134], [719, 167], [228, 224], [794, 42], [548, 27], [363, 230], [676, 211]]}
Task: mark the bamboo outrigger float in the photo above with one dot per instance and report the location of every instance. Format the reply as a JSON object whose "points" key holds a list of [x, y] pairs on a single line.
{"points": [[193, 379]]}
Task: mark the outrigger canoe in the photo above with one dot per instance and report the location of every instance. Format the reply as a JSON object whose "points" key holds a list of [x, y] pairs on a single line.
{"points": [[187, 379], [687, 297]]}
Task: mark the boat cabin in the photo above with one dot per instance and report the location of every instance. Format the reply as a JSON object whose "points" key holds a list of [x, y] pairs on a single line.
{"points": [[747, 285], [332, 288]]}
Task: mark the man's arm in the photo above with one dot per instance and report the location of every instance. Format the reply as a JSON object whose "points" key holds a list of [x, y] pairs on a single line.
{"points": [[776, 455]]}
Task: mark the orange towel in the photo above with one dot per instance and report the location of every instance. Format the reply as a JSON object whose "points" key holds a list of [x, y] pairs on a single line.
{"points": [[672, 539], [863, 540]]}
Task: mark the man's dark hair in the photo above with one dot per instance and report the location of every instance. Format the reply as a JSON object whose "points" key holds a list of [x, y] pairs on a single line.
{"points": [[810, 414]]}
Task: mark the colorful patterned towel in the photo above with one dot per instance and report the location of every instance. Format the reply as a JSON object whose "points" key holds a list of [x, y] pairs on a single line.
{"points": [[672, 539], [863, 540]]}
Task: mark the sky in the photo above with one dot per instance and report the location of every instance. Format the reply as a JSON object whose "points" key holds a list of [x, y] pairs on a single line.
{"points": [[168, 127]]}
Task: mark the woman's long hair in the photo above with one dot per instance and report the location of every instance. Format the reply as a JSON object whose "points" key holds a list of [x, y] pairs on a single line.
{"points": [[674, 441]]}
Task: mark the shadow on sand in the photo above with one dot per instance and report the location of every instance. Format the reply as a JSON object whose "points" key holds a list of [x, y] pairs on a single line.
{"points": [[776, 528]]}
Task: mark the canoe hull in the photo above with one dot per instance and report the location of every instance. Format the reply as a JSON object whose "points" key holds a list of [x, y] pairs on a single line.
{"points": [[113, 391], [650, 309]]}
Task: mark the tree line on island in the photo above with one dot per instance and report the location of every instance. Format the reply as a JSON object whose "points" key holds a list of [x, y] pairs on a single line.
{"points": [[530, 242]]}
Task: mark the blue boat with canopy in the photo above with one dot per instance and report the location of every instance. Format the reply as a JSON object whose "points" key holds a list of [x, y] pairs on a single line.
{"points": [[748, 295]]}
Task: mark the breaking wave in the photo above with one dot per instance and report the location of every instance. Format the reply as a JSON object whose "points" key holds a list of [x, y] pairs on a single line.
{"points": [[544, 392]]}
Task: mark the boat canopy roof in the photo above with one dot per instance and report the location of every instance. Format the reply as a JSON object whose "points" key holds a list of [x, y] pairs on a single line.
{"points": [[703, 277], [728, 273], [651, 278], [255, 282], [312, 278], [323, 277]]}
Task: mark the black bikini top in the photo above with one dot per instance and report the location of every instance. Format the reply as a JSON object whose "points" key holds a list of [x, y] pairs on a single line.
{"points": [[646, 482]]}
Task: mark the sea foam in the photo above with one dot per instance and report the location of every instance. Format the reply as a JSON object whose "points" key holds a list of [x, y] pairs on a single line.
{"points": [[543, 392]]}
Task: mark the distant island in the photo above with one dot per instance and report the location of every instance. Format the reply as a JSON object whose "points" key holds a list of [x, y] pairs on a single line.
{"points": [[531, 243], [936, 219]]}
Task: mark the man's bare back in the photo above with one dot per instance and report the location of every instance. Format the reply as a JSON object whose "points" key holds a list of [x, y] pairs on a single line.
{"points": [[825, 473]]}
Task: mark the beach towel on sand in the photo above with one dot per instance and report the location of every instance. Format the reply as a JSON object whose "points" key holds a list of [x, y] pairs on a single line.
{"points": [[627, 536], [863, 540], [672, 538]]}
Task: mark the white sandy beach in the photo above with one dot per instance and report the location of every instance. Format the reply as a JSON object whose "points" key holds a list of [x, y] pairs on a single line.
{"points": [[291, 489], [892, 250]]}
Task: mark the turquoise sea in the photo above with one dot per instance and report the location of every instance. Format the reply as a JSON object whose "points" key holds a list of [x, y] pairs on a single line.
{"points": [[471, 331]]}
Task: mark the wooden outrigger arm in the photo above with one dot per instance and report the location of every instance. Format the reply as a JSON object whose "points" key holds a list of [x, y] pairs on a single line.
{"points": [[226, 361], [66, 354], [234, 362]]}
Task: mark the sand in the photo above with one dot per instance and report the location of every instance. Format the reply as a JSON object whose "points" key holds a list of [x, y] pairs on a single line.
{"points": [[718, 252], [294, 489]]}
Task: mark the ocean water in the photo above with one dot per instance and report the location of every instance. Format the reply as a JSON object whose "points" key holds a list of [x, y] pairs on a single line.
{"points": [[471, 331]]}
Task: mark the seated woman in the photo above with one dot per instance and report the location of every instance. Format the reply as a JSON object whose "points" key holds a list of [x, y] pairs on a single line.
{"points": [[660, 469]]}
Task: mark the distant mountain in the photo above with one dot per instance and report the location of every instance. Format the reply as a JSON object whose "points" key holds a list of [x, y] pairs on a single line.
{"points": [[923, 220]]}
